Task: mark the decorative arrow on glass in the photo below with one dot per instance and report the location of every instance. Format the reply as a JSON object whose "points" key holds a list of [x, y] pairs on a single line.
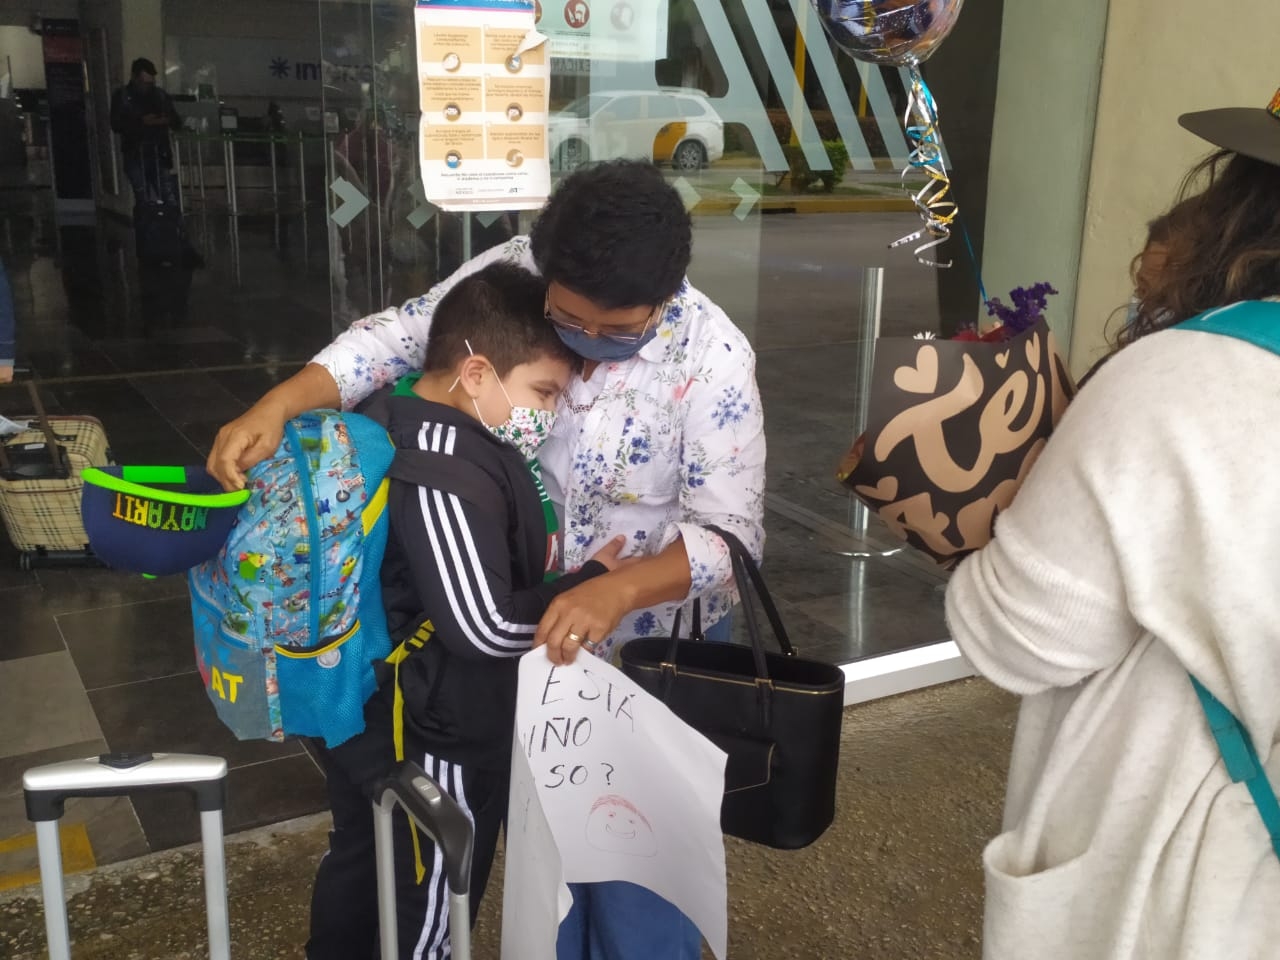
{"points": [[353, 202], [688, 194], [747, 194], [424, 211]]}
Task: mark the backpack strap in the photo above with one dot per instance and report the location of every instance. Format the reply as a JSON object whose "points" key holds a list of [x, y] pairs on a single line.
{"points": [[377, 407], [443, 471], [1256, 322], [1253, 321], [1242, 760]]}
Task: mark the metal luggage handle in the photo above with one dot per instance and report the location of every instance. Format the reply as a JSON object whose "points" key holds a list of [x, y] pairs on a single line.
{"points": [[61, 462], [46, 790], [441, 818]]}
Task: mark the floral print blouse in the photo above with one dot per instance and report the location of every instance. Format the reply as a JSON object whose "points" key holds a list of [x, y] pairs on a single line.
{"points": [[653, 447]]}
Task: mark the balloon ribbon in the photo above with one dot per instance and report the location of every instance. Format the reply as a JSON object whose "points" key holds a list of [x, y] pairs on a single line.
{"points": [[933, 200]]}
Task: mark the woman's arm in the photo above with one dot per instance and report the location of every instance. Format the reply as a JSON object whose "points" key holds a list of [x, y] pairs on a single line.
{"points": [[1148, 512], [594, 609], [373, 352], [722, 465], [256, 434]]}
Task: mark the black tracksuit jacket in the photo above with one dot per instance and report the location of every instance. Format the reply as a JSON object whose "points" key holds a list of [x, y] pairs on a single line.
{"points": [[477, 575]]}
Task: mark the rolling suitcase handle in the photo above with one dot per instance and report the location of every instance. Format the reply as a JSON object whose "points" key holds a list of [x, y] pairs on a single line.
{"points": [[448, 825], [46, 790], [61, 466]]}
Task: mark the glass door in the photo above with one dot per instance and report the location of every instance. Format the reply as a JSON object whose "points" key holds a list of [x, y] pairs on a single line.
{"points": [[386, 243], [788, 156]]}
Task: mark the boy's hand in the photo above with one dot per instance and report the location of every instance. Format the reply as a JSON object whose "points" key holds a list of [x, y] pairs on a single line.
{"points": [[608, 554]]}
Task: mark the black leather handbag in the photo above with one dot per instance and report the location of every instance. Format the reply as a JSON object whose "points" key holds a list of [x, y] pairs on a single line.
{"points": [[776, 715]]}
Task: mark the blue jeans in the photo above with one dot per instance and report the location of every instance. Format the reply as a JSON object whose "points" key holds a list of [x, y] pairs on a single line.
{"points": [[616, 920], [721, 631], [7, 333]]}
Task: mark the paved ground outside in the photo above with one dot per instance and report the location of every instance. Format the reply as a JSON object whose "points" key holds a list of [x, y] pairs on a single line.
{"points": [[898, 875]]}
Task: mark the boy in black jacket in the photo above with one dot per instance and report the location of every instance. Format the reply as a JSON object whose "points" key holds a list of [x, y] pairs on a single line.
{"points": [[469, 570]]}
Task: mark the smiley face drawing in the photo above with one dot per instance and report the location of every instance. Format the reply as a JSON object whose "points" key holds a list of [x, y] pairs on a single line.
{"points": [[616, 826]]}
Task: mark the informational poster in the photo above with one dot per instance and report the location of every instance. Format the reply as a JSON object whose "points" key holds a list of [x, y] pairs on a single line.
{"points": [[485, 81], [607, 784], [604, 30]]}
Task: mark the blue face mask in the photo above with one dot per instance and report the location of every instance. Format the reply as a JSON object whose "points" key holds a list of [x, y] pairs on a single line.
{"points": [[602, 349], [1131, 314]]}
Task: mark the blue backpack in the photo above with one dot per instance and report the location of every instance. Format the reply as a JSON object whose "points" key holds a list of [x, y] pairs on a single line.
{"points": [[289, 616]]}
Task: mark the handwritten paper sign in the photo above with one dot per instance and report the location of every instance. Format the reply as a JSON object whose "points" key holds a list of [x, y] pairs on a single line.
{"points": [[625, 791], [534, 896], [484, 83]]}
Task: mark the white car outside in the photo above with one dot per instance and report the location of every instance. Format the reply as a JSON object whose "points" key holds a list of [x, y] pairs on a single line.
{"points": [[675, 125]]}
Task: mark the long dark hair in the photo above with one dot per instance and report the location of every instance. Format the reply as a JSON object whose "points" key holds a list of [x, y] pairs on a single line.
{"points": [[1221, 242]]}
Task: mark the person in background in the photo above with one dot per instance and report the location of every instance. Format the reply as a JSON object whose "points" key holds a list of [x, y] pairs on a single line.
{"points": [[8, 323], [143, 115], [1141, 552]]}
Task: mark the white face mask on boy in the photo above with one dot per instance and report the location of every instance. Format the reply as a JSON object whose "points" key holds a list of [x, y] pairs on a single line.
{"points": [[526, 428]]}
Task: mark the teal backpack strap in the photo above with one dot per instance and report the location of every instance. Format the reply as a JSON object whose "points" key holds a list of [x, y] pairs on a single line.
{"points": [[1241, 760], [1254, 321]]}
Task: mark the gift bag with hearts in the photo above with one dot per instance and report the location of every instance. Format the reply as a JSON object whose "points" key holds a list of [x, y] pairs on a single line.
{"points": [[954, 426]]}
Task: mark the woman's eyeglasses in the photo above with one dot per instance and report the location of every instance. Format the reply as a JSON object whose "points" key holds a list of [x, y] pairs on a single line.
{"points": [[622, 338]]}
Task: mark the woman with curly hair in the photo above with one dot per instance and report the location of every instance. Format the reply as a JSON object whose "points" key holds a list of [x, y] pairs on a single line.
{"points": [[1143, 551]]}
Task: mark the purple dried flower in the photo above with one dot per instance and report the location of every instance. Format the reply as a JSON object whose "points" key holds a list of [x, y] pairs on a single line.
{"points": [[1029, 304]]}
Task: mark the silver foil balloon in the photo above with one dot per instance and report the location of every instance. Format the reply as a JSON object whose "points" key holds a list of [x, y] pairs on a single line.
{"points": [[903, 33], [898, 32]]}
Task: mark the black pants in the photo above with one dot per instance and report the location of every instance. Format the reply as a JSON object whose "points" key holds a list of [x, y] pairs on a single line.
{"points": [[344, 903]]}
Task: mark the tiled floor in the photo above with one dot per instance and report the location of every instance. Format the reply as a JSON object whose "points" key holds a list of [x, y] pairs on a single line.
{"points": [[92, 660]]}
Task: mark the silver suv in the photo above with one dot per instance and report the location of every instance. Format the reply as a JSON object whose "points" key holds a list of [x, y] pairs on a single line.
{"points": [[675, 125]]}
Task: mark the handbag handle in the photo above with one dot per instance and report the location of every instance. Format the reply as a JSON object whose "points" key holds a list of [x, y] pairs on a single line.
{"points": [[748, 578], [751, 572], [746, 574]]}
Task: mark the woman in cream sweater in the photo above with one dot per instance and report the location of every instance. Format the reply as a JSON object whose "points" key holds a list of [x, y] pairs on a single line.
{"points": [[1144, 547]]}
